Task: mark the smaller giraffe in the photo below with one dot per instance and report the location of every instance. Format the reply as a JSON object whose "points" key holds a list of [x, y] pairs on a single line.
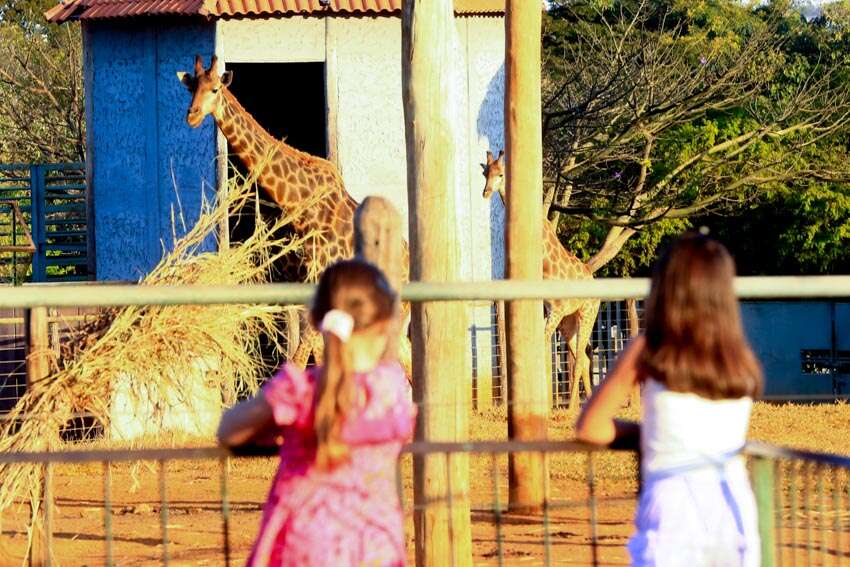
{"points": [[575, 318]]}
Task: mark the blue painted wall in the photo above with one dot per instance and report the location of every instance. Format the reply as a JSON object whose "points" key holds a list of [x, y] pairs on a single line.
{"points": [[143, 154], [779, 330]]}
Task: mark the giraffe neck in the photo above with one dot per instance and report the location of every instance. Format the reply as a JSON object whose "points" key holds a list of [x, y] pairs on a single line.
{"points": [[558, 262], [283, 171]]}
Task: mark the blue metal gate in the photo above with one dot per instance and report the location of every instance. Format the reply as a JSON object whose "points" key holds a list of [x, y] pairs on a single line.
{"points": [[52, 198]]}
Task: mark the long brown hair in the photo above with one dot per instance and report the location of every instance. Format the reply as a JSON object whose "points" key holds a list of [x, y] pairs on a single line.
{"points": [[694, 338], [361, 290]]}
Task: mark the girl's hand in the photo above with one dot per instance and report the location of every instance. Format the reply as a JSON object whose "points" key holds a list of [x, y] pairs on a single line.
{"points": [[596, 424]]}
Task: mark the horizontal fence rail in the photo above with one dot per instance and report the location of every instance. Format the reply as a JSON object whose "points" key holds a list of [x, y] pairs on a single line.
{"points": [[800, 494], [296, 294]]}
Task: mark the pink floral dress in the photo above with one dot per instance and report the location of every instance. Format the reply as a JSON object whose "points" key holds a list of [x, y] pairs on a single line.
{"points": [[349, 516]]}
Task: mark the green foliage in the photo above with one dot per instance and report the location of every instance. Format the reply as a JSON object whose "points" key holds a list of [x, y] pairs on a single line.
{"points": [[663, 114], [42, 110], [584, 237]]}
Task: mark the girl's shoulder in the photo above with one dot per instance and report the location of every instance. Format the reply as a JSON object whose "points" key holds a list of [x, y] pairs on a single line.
{"points": [[290, 392], [388, 380]]}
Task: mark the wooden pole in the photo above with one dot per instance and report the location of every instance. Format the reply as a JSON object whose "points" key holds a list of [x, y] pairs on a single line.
{"points": [[440, 349], [38, 368], [634, 331], [377, 239], [528, 384]]}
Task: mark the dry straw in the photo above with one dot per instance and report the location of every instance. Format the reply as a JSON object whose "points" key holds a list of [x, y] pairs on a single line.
{"points": [[152, 347]]}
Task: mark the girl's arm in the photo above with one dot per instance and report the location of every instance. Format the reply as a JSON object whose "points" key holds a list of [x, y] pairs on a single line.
{"points": [[245, 421], [596, 424]]}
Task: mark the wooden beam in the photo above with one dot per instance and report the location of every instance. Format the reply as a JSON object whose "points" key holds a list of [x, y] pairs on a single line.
{"points": [[440, 351], [528, 383], [377, 239]]}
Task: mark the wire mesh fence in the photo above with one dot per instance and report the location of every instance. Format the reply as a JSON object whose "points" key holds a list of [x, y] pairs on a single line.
{"points": [[62, 323], [584, 488], [612, 331], [13, 376], [203, 506]]}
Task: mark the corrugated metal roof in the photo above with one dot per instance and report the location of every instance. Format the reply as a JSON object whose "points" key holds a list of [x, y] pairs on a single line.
{"points": [[101, 9]]}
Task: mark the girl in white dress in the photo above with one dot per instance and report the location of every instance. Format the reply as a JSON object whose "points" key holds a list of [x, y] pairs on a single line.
{"points": [[699, 378]]}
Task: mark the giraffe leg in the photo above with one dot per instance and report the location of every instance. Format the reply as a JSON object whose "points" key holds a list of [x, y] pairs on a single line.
{"points": [[552, 322], [306, 346], [569, 330], [317, 347], [587, 320]]}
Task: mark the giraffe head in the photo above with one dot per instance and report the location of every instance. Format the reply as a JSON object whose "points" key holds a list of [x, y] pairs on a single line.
{"points": [[205, 86], [494, 173]]}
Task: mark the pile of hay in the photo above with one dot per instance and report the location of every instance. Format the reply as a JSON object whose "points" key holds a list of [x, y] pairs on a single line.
{"points": [[149, 348]]}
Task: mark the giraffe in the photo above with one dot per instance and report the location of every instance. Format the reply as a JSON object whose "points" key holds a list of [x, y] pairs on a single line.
{"points": [[307, 186], [575, 318]]}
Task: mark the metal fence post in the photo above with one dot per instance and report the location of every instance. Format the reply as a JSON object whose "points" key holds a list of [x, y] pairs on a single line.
{"points": [[37, 216], [764, 489], [14, 244]]}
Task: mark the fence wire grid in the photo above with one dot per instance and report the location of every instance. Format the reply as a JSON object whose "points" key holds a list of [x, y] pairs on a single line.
{"points": [[156, 505]]}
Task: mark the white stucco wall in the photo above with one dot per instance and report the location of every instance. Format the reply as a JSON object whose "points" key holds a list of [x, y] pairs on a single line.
{"points": [[284, 40], [366, 117]]}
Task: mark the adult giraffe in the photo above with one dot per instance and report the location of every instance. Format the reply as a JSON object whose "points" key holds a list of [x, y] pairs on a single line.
{"points": [[575, 318], [309, 187]]}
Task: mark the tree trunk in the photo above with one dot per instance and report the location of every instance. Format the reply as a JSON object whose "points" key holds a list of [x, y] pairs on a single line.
{"points": [[528, 384], [614, 242], [440, 355]]}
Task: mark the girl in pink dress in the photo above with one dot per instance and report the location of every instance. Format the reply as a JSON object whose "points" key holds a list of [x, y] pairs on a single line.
{"points": [[334, 500]]}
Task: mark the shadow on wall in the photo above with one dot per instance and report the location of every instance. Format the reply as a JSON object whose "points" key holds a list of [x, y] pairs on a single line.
{"points": [[490, 126]]}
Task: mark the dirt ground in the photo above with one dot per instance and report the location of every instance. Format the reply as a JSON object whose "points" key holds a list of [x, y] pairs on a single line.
{"points": [[813, 530], [195, 527]]}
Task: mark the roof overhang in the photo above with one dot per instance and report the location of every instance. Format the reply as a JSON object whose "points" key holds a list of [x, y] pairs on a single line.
{"points": [[215, 9]]}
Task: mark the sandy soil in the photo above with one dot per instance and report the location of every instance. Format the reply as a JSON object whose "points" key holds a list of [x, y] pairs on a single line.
{"points": [[194, 523], [195, 527]]}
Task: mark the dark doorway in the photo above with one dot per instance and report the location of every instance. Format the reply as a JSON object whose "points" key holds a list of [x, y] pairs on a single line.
{"points": [[288, 100]]}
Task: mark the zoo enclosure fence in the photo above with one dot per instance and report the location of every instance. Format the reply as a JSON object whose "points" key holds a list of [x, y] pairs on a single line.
{"points": [[803, 498], [53, 206]]}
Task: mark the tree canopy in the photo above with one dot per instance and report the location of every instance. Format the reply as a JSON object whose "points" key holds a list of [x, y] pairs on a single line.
{"points": [[42, 116], [661, 114]]}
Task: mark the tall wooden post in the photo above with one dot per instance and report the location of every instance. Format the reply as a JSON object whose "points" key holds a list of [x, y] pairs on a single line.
{"points": [[377, 239], [528, 384], [36, 323], [440, 357]]}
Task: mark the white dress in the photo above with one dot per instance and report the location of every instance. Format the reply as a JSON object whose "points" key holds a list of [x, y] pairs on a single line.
{"points": [[696, 508]]}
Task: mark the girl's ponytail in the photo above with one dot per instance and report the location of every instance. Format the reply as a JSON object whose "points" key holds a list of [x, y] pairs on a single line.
{"points": [[352, 295], [333, 399]]}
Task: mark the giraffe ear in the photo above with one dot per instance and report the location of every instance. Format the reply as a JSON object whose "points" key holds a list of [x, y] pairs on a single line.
{"points": [[226, 78], [483, 167], [187, 79]]}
